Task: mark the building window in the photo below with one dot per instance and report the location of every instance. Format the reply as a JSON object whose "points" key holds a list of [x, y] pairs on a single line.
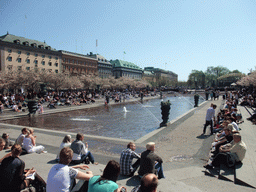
{"points": [[28, 68], [9, 50], [43, 56], [28, 53], [50, 63], [50, 70], [43, 62], [50, 57], [9, 67], [56, 71], [19, 60], [17, 41], [9, 58], [36, 61], [36, 55], [28, 61], [56, 64], [19, 52]]}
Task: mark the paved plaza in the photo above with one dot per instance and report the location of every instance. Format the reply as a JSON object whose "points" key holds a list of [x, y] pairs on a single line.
{"points": [[180, 144]]}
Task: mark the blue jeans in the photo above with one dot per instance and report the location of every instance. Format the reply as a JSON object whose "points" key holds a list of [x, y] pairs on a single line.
{"points": [[159, 168], [83, 157]]}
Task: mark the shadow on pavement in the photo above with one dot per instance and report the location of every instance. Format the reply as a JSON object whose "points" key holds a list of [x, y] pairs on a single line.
{"points": [[52, 161], [203, 136]]}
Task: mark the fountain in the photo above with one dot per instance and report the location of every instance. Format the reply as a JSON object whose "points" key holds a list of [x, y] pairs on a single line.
{"points": [[181, 96], [137, 120]]}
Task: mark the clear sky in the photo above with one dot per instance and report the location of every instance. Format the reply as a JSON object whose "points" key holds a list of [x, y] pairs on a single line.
{"points": [[175, 35]]}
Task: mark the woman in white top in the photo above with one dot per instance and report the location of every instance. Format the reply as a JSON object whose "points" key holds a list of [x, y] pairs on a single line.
{"points": [[65, 143], [29, 143]]}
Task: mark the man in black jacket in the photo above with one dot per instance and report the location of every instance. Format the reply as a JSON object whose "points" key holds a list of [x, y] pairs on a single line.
{"points": [[151, 162]]}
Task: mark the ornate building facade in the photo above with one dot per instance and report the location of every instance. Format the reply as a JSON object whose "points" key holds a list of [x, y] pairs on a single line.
{"points": [[157, 73], [76, 63], [125, 69], [104, 66], [19, 53]]}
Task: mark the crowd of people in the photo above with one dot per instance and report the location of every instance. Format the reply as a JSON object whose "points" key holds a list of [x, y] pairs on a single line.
{"points": [[52, 100], [71, 156], [228, 147]]}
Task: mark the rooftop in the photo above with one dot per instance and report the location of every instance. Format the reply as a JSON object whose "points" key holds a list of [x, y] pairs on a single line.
{"points": [[125, 64], [98, 57], [152, 69], [25, 41]]}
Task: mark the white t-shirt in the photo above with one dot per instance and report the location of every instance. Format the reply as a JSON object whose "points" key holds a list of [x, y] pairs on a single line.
{"points": [[210, 114], [59, 178], [235, 126], [20, 139], [62, 145]]}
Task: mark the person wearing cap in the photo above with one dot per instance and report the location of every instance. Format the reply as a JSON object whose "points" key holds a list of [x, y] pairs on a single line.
{"points": [[151, 162]]}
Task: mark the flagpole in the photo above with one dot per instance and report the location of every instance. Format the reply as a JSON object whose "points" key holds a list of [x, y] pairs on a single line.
{"points": [[96, 46], [124, 53]]}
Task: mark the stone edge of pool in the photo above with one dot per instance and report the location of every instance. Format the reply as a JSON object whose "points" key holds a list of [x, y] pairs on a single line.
{"points": [[150, 136]]}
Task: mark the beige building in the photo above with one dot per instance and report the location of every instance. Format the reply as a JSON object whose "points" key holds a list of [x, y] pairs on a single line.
{"points": [[19, 53], [77, 64], [157, 73]]}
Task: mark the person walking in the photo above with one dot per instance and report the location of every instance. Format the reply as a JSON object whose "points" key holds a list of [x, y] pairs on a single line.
{"points": [[210, 118]]}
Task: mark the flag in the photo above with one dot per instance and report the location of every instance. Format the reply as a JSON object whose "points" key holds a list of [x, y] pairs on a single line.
{"points": [[25, 16], [96, 42], [124, 52]]}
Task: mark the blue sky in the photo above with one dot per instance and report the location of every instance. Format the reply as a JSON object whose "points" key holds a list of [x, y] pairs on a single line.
{"points": [[175, 35]]}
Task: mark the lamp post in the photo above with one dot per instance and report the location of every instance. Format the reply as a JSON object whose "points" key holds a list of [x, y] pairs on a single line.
{"points": [[195, 84]]}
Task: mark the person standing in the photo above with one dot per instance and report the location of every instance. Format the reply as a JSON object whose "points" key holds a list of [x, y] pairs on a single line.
{"points": [[210, 118], [127, 155], [151, 162]]}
